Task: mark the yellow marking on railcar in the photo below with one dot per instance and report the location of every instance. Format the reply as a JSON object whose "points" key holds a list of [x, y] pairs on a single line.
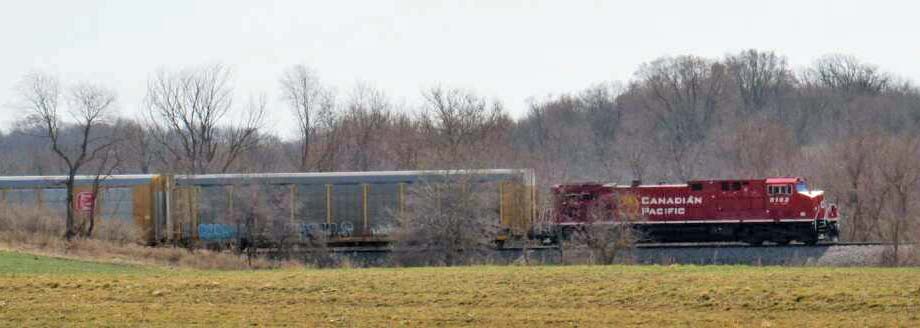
{"points": [[402, 199], [365, 189], [293, 204], [329, 204]]}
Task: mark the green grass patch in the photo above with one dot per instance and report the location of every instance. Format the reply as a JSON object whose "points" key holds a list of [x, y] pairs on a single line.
{"points": [[494, 296], [16, 263]]}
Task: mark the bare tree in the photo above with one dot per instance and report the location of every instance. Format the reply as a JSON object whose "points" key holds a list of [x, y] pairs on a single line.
{"points": [[244, 136], [555, 134], [301, 88], [457, 121], [847, 75], [88, 107], [405, 140], [446, 223], [330, 138], [758, 147], [851, 165], [603, 115], [365, 118], [608, 230], [635, 154], [901, 175], [138, 146], [682, 94], [186, 110], [108, 162], [760, 78]]}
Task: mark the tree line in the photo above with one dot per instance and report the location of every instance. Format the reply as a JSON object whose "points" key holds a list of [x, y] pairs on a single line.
{"points": [[845, 124]]}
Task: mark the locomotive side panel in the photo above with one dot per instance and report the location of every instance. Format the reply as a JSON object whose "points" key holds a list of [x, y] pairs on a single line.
{"points": [[669, 203], [757, 210]]}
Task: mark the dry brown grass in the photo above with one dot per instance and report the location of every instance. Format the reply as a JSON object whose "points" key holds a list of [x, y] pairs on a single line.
{"points": [[40, 232], [908, 255], [43, 292], [30, 220]]}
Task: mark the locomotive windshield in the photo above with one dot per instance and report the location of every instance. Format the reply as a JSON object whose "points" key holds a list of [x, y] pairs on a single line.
{"points": [[801, 187]]}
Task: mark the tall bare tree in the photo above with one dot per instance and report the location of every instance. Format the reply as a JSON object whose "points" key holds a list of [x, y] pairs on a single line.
{"points": [[848, 75], [603, 115], [760, 77], [758, 147], [851, 163], [682, 93], [901, 176], [108, 162], [405, 138], [302, 90], [368, 112], [330, 139], [51, 109], [187, 109], [457, 120], [138, 148]]}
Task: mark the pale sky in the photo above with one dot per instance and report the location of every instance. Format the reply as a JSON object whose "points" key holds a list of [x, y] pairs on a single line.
{"points": [[509, 50]]}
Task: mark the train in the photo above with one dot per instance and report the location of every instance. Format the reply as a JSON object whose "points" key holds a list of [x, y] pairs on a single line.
{"points": [[777, 210], [359, 208]]}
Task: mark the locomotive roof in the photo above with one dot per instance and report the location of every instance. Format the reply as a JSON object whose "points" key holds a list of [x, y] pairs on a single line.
{"points": [[524, 176], [370, 177], [766, 180], [783, 180], [669, 185], [772, 180]]}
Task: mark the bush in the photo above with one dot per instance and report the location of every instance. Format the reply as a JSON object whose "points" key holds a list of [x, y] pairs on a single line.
{"points": [[446, 224], [607, 232]]}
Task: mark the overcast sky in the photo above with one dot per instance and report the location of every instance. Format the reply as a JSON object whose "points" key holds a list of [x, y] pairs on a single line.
{"points": [[510, 50]]}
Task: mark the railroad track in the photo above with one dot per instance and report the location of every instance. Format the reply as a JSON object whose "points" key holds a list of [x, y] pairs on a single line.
{"points": [[718, 245], [640, 246], [743, 245]]}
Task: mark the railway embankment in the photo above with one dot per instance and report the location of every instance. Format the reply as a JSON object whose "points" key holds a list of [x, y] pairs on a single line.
{"points": [[843, 254]]}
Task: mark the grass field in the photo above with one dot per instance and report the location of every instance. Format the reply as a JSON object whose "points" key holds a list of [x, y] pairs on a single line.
{"points": [[40, 291]]}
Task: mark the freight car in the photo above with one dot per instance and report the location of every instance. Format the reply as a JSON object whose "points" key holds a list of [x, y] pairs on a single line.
{"points": [[344, 208], [778, 210]]}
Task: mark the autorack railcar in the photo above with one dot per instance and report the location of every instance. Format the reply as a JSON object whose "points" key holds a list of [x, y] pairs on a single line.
{"points": [[345, 208]]}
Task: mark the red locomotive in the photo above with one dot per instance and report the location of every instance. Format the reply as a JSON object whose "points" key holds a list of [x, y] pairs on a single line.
{"points": [[778, 210]]}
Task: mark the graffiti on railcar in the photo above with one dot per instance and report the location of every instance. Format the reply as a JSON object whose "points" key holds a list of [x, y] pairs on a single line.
{"points": [[217, 232], [328, 230], [208, 232]]}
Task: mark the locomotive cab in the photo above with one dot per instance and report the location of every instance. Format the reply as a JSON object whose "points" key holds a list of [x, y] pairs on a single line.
{"points": [[790, 199]]}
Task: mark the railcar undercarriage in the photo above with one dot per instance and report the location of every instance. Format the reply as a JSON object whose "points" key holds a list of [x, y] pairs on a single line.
{"points": [[781, 233]]}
